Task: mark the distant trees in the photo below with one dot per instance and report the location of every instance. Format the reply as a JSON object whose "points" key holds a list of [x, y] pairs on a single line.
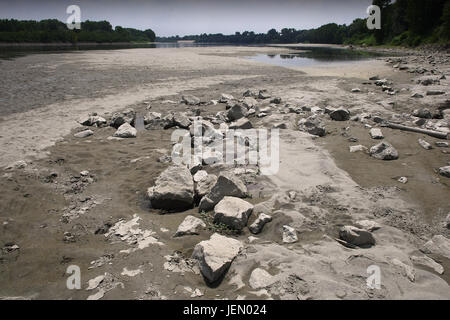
{"points": [[52, 30], [403, 22]]}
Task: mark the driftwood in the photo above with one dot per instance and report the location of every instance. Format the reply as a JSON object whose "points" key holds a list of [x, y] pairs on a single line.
{"points": [[432, 133]]}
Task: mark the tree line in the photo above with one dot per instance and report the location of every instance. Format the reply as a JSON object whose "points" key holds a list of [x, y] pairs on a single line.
{"points": [[403, 22], [52, 30]]}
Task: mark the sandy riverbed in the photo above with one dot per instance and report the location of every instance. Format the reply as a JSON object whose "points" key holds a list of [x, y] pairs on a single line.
{"points": [[44, 95]]}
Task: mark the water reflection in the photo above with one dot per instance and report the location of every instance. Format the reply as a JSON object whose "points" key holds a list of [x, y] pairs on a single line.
{"points": [[309, 56]]}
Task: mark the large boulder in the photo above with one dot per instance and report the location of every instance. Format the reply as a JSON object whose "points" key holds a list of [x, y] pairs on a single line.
{"points": [[340, 114], [233, 212], [125, 131], [312, 125], [190, 226], [173, 190], [257, 226], [204, 186], [181, 120], [236, 112], [126, 116], [357, 237], [216, 255], [227, 185], [384, 151]]}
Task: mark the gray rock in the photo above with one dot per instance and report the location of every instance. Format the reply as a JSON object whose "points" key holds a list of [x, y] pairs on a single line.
{"points": [[445, 171], [441, 144], [356, 236], [340, 114], [242, 123], [190, 100], [189, 226], [83, 134], [126, 116], [125, 131], [289, 234], [376, 133], [154, 121], [425, 261], [435, 92], [312, 125], [216, 255], [417, 95], [422, 113], [276, 100], [368, 225], [425, 144], [439, 245], [263, 94], [260, 278], [181, 120], [200, 175], [250, 93], [93, 120], [384, 151], [407, 270], [233, 212], [224, 98], [257, 226], [237, 111], [203, 187], [227, 185], [249, 102], [173, 190]]}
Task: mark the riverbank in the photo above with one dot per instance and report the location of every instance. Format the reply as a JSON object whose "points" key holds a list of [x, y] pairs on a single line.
{"points": [[58, 215]]}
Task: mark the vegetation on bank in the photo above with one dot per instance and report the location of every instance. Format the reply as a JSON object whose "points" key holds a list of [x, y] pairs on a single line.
{"points": [[403, 23], [52, 30]]}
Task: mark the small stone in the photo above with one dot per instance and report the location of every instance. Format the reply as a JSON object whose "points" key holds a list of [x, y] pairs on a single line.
{"points": [[356, 236], [257, 226], [417, 95], [439, 245], [403, 180], [445, 171], [425, 144], [407, 270], [200, 175], [216, 255], [376, 133], [125, 131], [84, 134], [435, 92], [289, 234], [441, 144], [242, 123], [260, 278], [190, 226], [340, 114], [368, 225], [358, 148], [384, 151], [356, 90], [233, 212], [190, 100]]}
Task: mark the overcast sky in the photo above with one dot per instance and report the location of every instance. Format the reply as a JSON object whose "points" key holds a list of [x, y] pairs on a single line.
{"points": [[184, 17]]}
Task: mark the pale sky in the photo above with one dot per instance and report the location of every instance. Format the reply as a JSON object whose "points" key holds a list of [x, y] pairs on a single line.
{"points": [[186, 17]]}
